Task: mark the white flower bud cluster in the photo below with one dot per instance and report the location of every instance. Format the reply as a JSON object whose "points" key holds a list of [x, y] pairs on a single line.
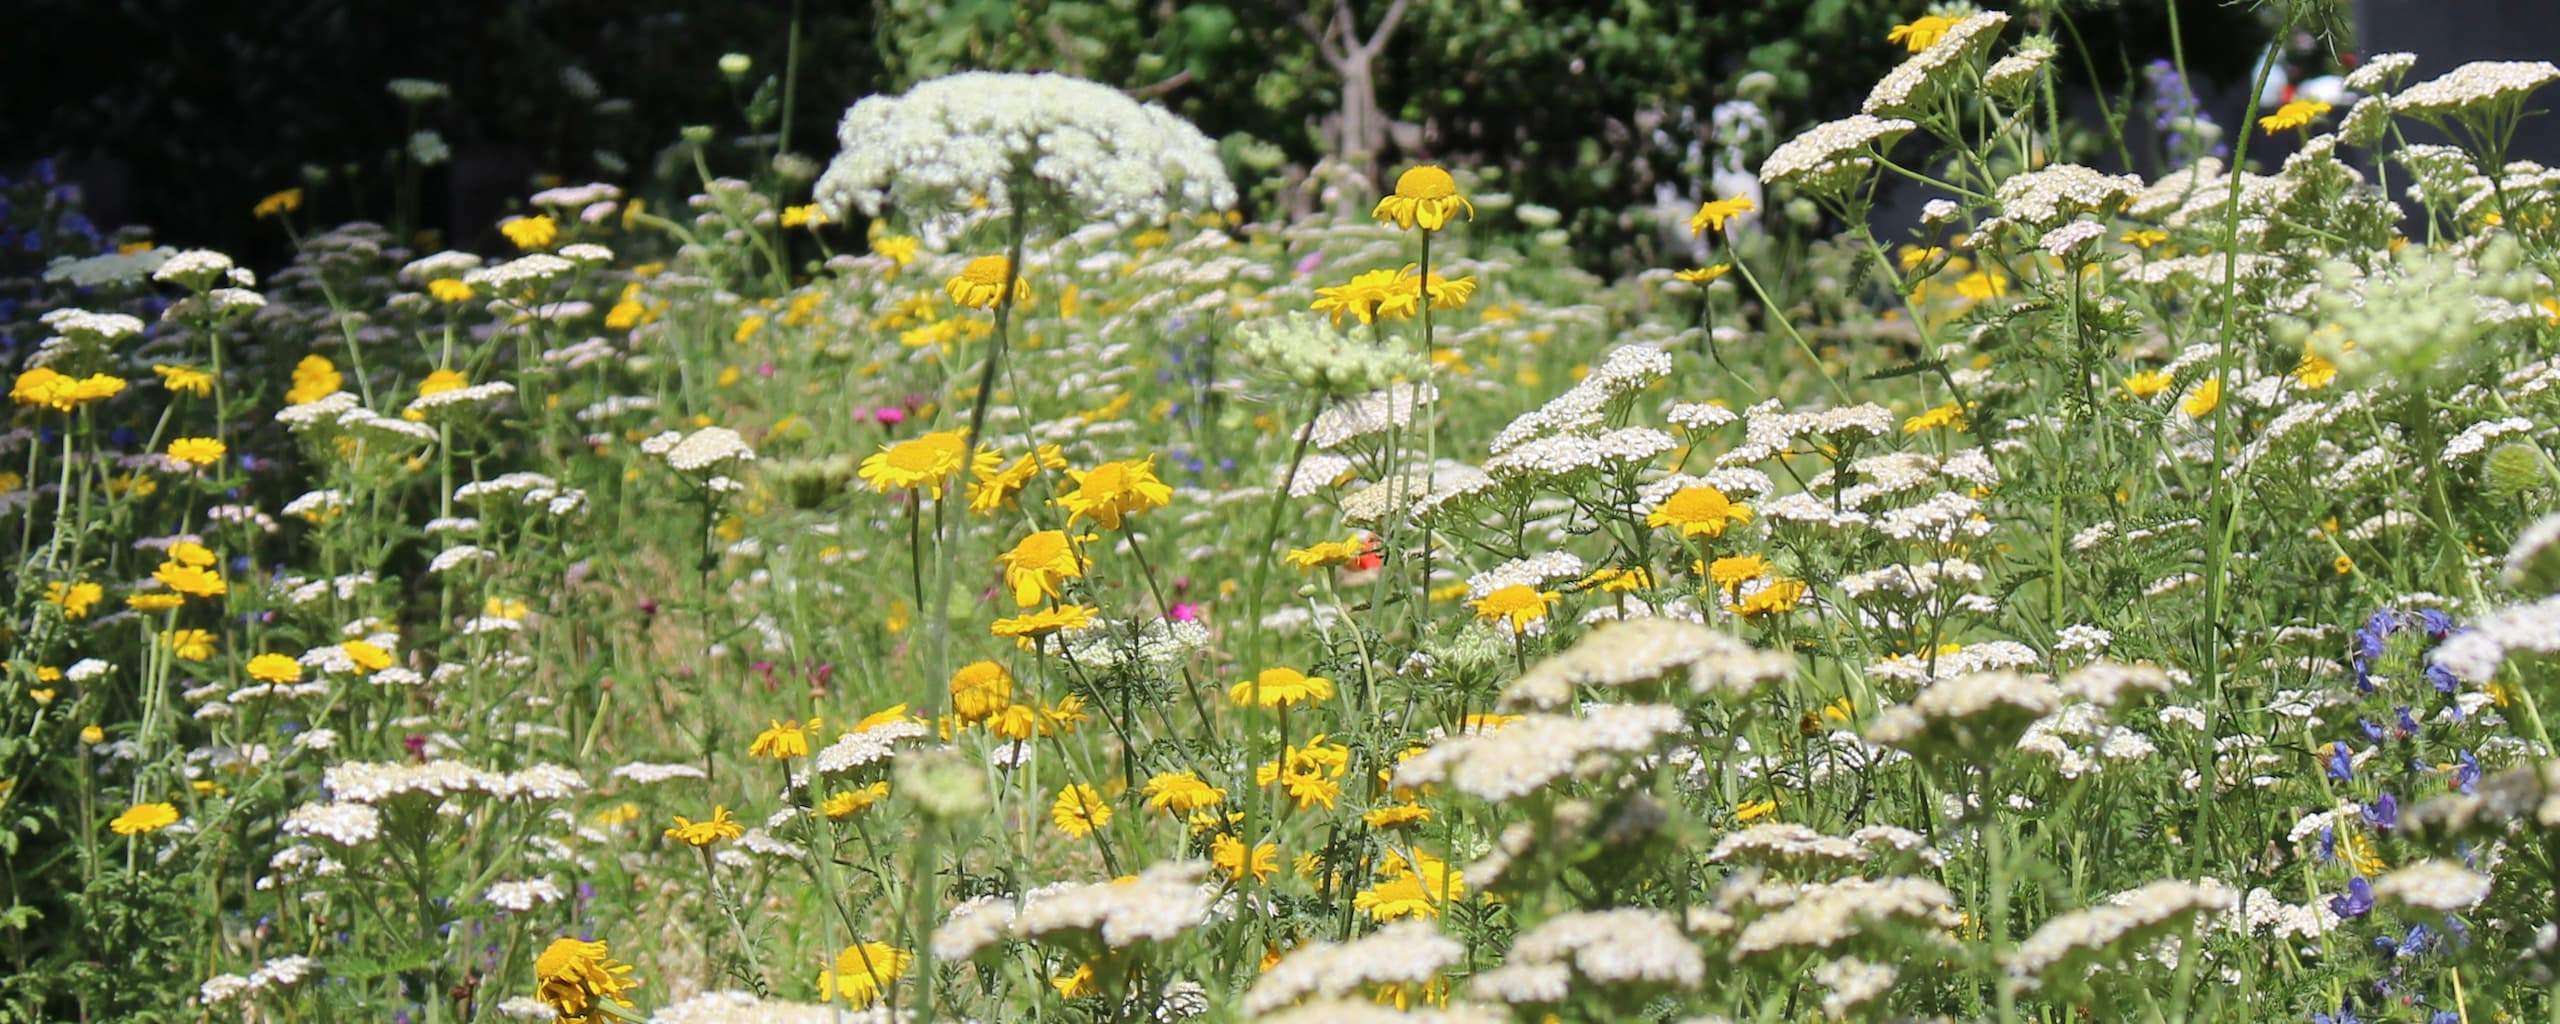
{"points": [[1909, 86], [1831, 155]]}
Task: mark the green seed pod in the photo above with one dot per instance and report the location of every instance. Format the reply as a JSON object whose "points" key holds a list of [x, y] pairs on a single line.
{"points": [[2513, 469]]}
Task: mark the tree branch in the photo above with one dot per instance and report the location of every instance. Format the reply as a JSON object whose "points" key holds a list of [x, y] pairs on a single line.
{"points": [[1386, 28]]}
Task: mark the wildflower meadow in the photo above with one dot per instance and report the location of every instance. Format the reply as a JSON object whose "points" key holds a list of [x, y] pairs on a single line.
{"points": [[999, 568]]}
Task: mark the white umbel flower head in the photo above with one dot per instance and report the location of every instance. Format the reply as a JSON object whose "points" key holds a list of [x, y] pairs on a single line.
{"points": [[1082, 150]]}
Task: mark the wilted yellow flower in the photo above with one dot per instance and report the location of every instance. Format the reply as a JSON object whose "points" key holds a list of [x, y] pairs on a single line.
{"points": [[1425, 194]]}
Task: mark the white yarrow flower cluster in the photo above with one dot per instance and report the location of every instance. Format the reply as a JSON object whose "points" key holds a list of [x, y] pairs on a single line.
{"points": [[1086, 146]]}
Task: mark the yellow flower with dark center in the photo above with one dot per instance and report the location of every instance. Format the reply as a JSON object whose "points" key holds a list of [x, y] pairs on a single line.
{"points": [[1079, 810], [1039, 565], [854, 801], [1325, 553], [1698, 510], [1778, 597], [1425, 194], [531, 233], [313, 377], [449, 290], [981, 284], [2343, 565], [1397, 816], [274, 668], [1922, 34], [51, 389], [1111, 490], [1281, 687], [369, 658], [1948, 415], [197, 451], [1182, 793], [277, 203], [709, 830], [185, 380], [141, 818], [1229, 855], [1518, 605], [782, 740], [1713, 213], [1025, 629], [190, 580], [2148, 383], [2201, 402], [920, 463], [862, 972], [1730, 573], [577, 978], [188, 644], [980, 690], [2295, 114], [1702, 275], [73, 598], [1360, 297]]}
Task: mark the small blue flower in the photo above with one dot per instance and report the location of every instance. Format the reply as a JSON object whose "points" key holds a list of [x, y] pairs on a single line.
{"points": [[2342, 765], [2358, 900], [2442, 678], [2468, 775], [2408, 724], [2383, 812]]}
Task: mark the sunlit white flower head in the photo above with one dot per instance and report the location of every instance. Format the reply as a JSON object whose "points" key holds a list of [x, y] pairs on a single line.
{"points": [[1079, 149]]}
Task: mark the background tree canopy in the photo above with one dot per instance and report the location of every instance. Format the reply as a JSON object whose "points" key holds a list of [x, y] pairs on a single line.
{"points": [[1576, 105]]}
